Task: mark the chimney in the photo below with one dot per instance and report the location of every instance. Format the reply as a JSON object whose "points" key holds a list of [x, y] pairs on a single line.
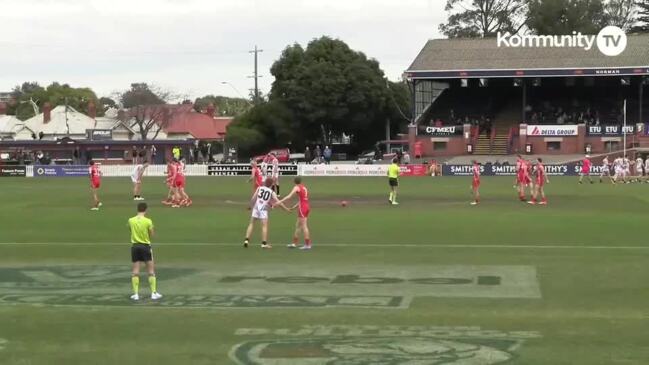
{"points": [[3, 108], [47, 112], [210, 110], [92, 110]]}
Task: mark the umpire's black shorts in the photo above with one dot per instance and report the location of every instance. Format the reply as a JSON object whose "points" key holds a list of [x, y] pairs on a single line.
{"points": [[393, 182], [141, 252]]}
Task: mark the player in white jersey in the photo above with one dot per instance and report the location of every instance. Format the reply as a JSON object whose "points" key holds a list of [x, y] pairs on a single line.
{"points": [[626, 166], [261, 201], [606, 170], [617, 168], [274, 172], [136, 178], [638, 168], [646, 167], [264, 165]]}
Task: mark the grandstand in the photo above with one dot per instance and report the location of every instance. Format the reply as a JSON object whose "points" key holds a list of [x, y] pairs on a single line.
{"points": [[495, 96]]}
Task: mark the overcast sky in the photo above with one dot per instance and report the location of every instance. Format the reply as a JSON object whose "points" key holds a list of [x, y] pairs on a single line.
{"points": [[192, 46]]}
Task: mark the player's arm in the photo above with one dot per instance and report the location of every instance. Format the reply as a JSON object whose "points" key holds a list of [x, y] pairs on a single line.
{"points": [[253, 198], [276, 201], [289, 196]]}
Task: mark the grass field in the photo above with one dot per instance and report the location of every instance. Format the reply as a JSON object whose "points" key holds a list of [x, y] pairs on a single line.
{"points": [[432, 281]]}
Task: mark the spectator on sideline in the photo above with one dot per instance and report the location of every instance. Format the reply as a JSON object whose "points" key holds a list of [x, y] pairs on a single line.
{"points": [[327, 155], [318, 154], [134, 155], [175, 152], [308, 157], [406, 158]]}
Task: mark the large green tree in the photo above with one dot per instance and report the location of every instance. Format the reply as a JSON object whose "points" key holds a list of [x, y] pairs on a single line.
{"points": [[227, 106], [483, 18], [642, 25], [142, 94], [556, 17], [320, 93], [30, 97]]}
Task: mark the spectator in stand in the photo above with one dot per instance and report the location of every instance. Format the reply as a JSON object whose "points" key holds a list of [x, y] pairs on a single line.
{"points": [[308, 157], [318, 154], [438, 123], [327, 155], [406, 158]]}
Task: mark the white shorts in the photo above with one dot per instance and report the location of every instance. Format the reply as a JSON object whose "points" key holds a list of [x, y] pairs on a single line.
{"points": [[275, 177], [259, 214], [135, 180]]}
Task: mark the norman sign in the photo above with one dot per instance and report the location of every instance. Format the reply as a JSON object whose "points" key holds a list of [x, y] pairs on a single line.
{"points": [[551, 130]]}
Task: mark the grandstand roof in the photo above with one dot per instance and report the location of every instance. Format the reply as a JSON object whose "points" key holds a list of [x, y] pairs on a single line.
{"points": [[465, 58]]}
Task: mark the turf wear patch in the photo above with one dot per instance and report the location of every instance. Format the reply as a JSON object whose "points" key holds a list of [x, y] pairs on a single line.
{"points": [[3, 343], [392, 345]]}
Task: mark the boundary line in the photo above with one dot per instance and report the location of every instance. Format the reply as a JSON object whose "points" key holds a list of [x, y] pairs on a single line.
{"points": [[325, 245]]}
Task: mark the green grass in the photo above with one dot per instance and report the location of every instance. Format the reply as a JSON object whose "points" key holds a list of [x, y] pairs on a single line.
{"points": [[69, 269]]}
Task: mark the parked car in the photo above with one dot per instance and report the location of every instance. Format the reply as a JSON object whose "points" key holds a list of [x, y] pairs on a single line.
{"points": [[283, 155]]}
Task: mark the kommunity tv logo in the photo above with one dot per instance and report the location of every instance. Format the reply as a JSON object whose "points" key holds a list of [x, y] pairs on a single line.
{"points": [[611, 41]]}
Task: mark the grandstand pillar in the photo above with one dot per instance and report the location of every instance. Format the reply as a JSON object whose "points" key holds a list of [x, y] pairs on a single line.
{"points": [[640, 99], [522, 137], [524, 98], [412, 138], [581, 138]]}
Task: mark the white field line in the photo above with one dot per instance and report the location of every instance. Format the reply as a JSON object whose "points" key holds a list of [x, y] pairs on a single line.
{"points": [[318, 245]]}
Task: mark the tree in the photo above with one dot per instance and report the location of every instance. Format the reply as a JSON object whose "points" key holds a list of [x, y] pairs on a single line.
{"points": [[557, 17], [30, 97], [620, 13], [331, 89], [148, 111], [226, 106], [483, 18], [143, 94], [106, 103], [643, 17], [267, 125]]}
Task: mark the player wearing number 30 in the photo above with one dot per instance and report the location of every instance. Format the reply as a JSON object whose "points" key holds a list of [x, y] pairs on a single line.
{"points": [[303, 210], [261, 201]]}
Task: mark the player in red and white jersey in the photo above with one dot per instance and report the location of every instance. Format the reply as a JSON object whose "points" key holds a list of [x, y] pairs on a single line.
{"points": [[182, 199], [95, 183], [585, 169], [476, 183], [256, 176], [171, 173], [541, 179], [303, 210], [522, 177]]}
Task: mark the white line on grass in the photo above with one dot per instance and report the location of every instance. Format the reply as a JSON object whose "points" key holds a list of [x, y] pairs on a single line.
{"points": [[324, 245]]}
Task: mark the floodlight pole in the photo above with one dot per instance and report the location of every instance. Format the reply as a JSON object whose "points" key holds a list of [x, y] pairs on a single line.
{"points": [[624, 129]]}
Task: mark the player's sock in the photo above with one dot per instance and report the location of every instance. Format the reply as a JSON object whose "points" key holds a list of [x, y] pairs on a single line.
{"points": [[277, 189], [294, 241], [307, 241], [135, 283], [390, 198], [153, 284]]}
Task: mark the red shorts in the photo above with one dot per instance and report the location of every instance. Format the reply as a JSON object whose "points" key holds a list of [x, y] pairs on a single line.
{"points": [[540, 182], [95, 183], [585, 171], [476, 184], [303, 211], [180, 183]]}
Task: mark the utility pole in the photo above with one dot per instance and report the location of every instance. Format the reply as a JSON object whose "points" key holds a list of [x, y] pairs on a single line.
{"points": [[256, 76]]}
